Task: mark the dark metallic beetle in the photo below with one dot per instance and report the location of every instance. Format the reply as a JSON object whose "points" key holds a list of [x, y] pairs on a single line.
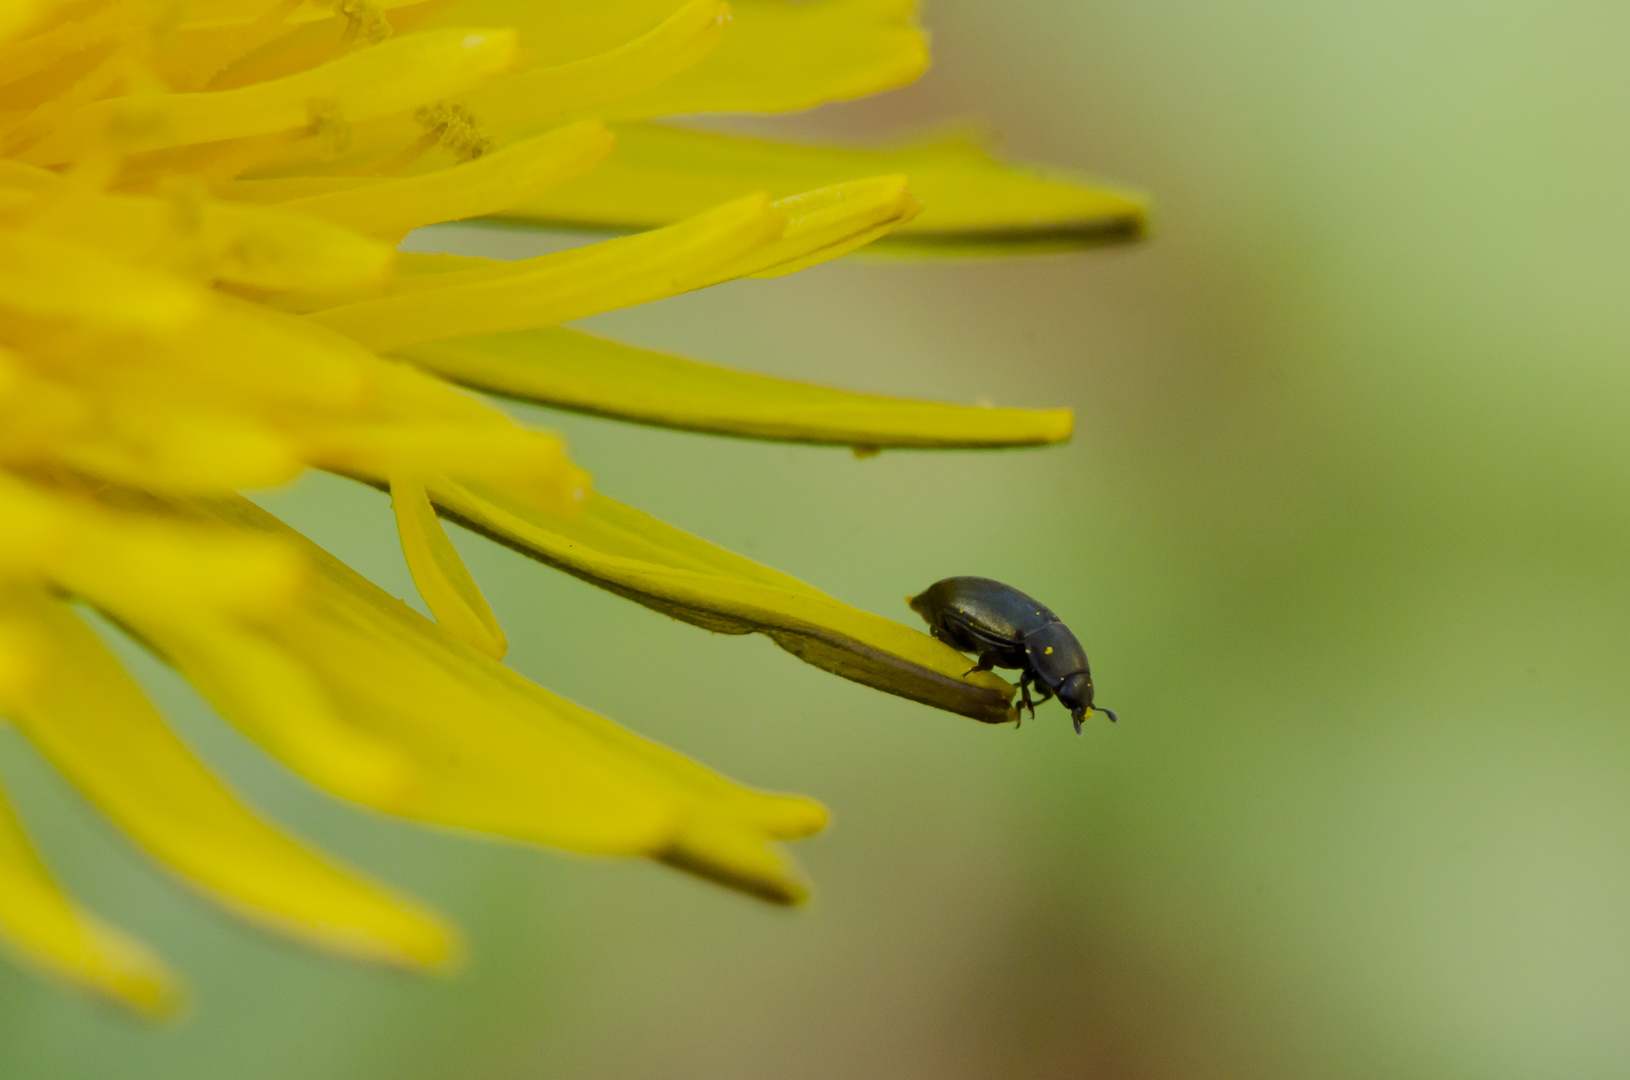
{"points": [[1008, 629]]}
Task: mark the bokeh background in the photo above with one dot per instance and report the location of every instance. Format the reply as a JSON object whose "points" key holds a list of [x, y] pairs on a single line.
{"points": [[1345, 528]]}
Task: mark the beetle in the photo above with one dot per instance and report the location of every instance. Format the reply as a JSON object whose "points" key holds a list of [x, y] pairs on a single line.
{"points": [[1008, 629]]}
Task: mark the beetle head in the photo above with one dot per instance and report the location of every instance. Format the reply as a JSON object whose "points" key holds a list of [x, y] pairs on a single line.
{"points": [[1075, 693]]}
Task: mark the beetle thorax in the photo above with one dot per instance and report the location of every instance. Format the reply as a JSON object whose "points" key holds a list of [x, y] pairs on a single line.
{"points": [[1055, 654]]}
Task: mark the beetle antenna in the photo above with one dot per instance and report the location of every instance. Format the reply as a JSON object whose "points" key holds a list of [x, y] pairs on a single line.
{"points": [[1107, 712]]}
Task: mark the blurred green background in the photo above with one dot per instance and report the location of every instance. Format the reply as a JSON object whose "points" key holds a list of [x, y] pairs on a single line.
{"points": [[1345, 529]]}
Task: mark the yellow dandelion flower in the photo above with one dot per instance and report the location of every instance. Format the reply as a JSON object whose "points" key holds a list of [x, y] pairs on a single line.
{"points": [[200, 293]]}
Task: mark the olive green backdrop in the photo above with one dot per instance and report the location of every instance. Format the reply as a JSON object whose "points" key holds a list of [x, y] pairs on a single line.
{"points": [[1345, 528]]}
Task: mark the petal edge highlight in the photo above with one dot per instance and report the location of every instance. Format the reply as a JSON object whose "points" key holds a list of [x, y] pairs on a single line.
{"points": [[570, 369], [973, 202]]}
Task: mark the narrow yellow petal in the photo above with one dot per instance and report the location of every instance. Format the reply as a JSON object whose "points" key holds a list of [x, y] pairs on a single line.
{"points": [[391, 77], [48, 931], [281, 361], [522, 101], [820, 225], [14, 174], [852, 242], [486, 185], [241, 12], [617, 273], [19, 659], [173, 572], [270, 249], [830, 222], [520, 761], [441, 576], [638, 557], [141, 561], [971, 200], [170, 444], [212, 37], [204, 238], [305, 395], [735, 857], [43, 274], [554, 288], [32, 53], [262, 689], [288, 189], [779, 56], [86, 715], [530, 461], [573, 370]]}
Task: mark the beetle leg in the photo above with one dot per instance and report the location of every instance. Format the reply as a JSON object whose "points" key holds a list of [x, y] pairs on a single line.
{"points": [[987, 660], [1024, 691]]}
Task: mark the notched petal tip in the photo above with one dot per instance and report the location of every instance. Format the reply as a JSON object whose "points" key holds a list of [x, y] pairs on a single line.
{"points": [[740, 863], [792, 817]]}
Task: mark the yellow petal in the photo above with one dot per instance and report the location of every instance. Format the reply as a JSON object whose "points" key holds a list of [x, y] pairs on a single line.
{"points": [[308, 392], [270, 249], [15, 16], [272, 698], [32, 53], [711, 848], [532, 462], [440, 575], [636, 556], [568, 285], [211, 38], [554, 34], [91, 721], [138, 561], [779, 56], [14, 174], [19, 659], [486, 185], [502, 108], [48, 931], [198, 237], [763, 239], [971, 200], [169, 443], [283, 362], [394, 76], [222, 13], [498, 754], [42, 274], [524, 100], [266, 248], [828, 252], [829, 222], [573, 370]]}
